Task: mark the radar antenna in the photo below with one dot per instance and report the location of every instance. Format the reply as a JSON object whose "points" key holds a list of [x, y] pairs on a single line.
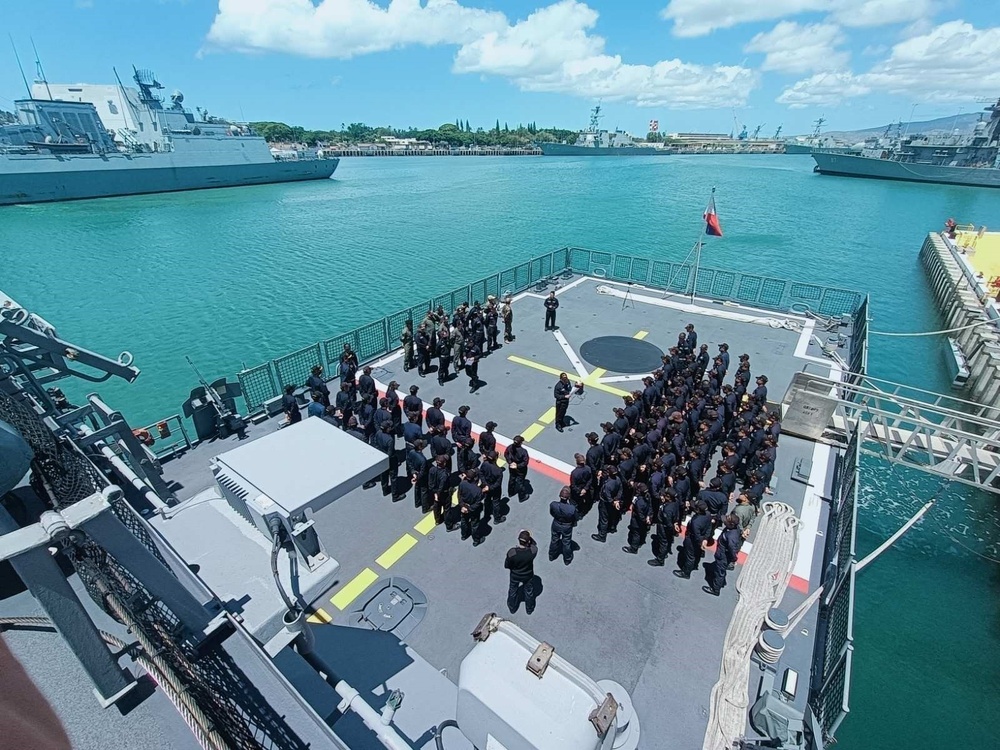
{"points": [[819, 126], [595, 118], [147, 83]]}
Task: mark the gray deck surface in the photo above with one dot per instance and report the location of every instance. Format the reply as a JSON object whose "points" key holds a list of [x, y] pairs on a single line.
{"points": [[609, 613]]}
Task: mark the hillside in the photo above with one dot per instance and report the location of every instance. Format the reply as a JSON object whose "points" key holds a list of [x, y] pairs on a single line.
{"points": [[938, 126]]}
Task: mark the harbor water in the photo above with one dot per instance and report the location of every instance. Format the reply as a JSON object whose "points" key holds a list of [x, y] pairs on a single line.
{"points": [[234, 277]]}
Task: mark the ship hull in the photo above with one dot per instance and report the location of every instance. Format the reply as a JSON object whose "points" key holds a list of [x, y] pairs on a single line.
{"points": [[562, 149], [886, 169], [43, 179], [798, 148]]}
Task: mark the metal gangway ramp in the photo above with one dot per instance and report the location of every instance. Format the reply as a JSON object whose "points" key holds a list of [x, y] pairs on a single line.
{"points": [[952, 438]]}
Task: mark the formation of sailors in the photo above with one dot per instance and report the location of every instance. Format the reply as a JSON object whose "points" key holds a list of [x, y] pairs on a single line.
{"points": [[652, 467]]}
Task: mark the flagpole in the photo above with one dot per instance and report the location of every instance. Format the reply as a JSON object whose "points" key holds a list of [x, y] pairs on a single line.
{"points": [[697, 265]]}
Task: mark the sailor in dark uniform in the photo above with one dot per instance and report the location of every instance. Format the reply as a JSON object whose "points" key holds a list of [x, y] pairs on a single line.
{"points": [[417, 468], [564, 515], [696, 539], [517, 459], [642, 516], [423, 351], [315, 382], [385, 441], [413, 405], [581, 479], [461, 435], [724, 356], [715, 500], [690, 338], [406, 339], [412, 432], [551, 305], [492, 319], [444, 356], [344, 404], [393, 405], [487, 440], [367, 390], [760, 392], [440, 445], [492, 476], [595, 462], [354, 431], [563, 388], [727, 549], [701, 363], [609, 507], [472, 354], [668, 526], [290, 405], [435, 417], [439, 486], [470, 507]]}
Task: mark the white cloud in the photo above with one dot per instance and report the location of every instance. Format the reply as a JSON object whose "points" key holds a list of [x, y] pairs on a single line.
{"points": [[553, 49], [792, 48], [345, 28], [700, 17], [822, 90], [952, 62]]}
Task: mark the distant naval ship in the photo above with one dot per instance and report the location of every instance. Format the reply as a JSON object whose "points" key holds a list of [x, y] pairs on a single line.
{"points": [[93, 141], [819, 141], [597, 142], [972, 160]]}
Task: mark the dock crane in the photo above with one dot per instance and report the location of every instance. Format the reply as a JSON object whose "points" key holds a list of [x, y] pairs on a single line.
{"points": [[777, 133], [756, 132]]}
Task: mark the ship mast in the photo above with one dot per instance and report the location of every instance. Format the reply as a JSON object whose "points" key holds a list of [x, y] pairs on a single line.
{"points": [[39, 73], [595, 118]]}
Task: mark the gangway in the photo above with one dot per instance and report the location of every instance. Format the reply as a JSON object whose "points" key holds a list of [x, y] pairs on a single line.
{"points": [[946, 436]]}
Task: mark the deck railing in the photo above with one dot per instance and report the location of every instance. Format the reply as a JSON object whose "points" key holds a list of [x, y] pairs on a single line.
{"points": [[264, 382]]}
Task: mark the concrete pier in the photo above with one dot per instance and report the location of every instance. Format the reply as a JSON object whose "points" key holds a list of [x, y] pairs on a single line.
{"points": [[962, 296]]}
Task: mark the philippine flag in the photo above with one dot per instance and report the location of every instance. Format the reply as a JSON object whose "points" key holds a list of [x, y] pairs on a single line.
{"points": [[712, 220]]}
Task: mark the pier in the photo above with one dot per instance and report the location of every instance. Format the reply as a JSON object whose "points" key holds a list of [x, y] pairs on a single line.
{"points": [[964, 274]]}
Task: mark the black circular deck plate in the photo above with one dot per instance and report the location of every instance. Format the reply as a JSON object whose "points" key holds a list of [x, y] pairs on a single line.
{"points": [[622, 354]]}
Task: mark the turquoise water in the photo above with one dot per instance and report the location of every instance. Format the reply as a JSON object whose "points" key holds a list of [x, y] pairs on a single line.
{"points": [[236, 277]]}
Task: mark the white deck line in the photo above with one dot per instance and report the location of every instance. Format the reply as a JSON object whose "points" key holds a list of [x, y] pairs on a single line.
{"points": [[571, 355], [623, 378]]}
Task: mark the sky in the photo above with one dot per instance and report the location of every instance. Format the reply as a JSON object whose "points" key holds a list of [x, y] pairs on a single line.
{"points": [[692, 65]]}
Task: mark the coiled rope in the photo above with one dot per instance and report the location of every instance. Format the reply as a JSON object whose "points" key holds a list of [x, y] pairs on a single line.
{"points": [[760, 586], [932, 333]]}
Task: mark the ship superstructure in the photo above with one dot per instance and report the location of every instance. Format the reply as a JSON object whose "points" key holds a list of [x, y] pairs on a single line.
{"points": [[971, 159], [75, 141]]}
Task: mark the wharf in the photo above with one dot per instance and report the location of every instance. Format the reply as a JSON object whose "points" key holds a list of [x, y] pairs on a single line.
{"points": [[608, 613], [964, 274]]}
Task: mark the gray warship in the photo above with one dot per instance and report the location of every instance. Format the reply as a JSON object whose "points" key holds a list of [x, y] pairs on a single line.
{"points": [[595, 141], [818, 142], [222, 579], [972, 160], [74, 141]]}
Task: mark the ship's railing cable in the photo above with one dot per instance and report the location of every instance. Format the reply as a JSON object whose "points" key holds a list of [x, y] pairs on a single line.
{"points": [[933, 333]]}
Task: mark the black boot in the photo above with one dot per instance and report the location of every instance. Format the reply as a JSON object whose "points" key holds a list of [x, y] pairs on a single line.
{"points": [[682, 574], [599, 537], [710, 590], [630, 550], [655, 562]]}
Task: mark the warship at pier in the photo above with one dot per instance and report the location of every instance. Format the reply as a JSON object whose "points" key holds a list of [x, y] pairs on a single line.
{"points": [[595, 141], [972, 160], [74, 141]]}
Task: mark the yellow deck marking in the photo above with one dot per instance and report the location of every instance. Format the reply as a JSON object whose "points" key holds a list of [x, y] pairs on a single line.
{"points": [[353, 589], [641, 335], [548, 417], [319, 616], [501, 462], [532, 431], [426, 525], [590, 380], [392, 555], [535, 365]]}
